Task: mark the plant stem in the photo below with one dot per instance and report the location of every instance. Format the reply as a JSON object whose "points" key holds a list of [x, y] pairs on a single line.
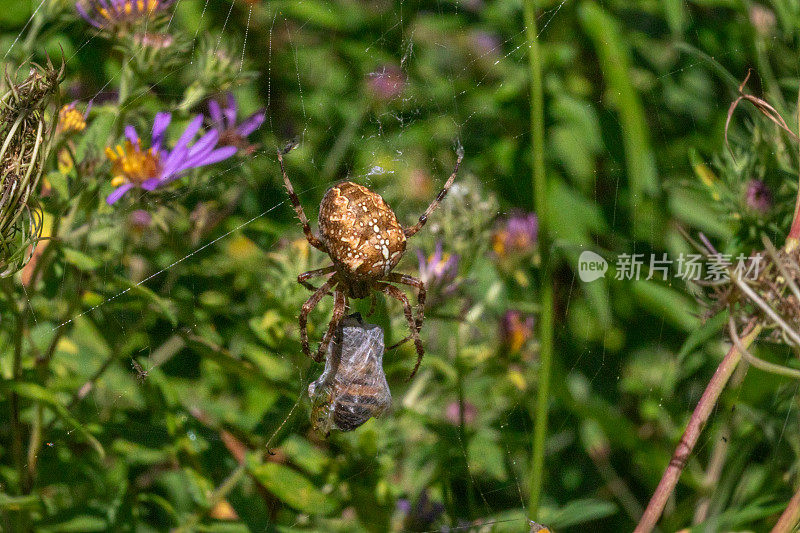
{"points": [[793, 238], [546, 288], [791, 516], [16, 427], [462, 434], [699, 417]]}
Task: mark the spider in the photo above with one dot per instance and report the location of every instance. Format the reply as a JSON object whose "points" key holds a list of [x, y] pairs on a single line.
{"points": [[361, 235]]}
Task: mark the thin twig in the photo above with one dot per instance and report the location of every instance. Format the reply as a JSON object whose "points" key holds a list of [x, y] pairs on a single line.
{"points": [[793, 238], [698, 419], [762, 105], [790, 518]]}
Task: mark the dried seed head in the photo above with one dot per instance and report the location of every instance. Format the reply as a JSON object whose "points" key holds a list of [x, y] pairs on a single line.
{"points": [[26, 132]]}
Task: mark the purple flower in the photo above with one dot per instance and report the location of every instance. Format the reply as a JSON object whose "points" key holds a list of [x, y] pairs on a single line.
{"points": [[453, 413], [224, 121], [156, 41], [156, 166], [485, 43], [423, 514], [105, 13], [403, 505], [758, 197], [438, 272], [517, 236], [387, 83], [515, 330], [140, 219]]}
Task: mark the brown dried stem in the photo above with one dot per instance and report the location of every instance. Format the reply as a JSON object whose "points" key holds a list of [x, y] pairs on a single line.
{"points": [[698, 419], [791, 516]]}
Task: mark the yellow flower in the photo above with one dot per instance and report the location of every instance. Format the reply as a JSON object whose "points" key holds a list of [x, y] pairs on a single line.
{"points": [[131, 164], [708, 178], [65, 162], [70, 119]]}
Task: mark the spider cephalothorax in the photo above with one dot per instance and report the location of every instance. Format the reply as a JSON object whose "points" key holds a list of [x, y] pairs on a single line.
{"points": [[361, 235]]}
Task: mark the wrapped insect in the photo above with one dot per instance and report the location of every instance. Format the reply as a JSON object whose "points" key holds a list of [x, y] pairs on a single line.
{"points": [[353, 387]]}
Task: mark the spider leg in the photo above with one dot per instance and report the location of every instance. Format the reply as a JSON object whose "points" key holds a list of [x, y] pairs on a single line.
{"points": [[424, 217], [310, 304], [298, 207], [411, 281], [339, 309], [301, 279], [397, 294]]}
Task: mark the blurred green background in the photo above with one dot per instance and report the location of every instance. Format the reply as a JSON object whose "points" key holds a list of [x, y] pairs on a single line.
{"points": [[159, 353]]}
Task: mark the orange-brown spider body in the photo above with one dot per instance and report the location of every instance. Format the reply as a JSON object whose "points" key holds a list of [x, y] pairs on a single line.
{"points": [[361, 232], [365, 241]]}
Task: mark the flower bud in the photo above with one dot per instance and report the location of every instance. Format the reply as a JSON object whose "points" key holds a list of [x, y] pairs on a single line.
{"points": [[758, 197]]}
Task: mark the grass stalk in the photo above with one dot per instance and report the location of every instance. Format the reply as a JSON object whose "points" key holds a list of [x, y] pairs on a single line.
{"points": [[545, 329]]}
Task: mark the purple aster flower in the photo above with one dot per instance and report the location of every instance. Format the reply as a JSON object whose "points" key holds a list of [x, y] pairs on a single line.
{"points": [[114, 13], [758, 197], [517, 236], [438, 272], [224, 121], [157, 166]]}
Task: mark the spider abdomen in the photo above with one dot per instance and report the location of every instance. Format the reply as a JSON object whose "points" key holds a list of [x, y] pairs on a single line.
{"points": [[360, 230]]}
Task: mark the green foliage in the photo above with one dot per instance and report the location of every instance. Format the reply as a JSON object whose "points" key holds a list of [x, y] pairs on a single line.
{"points": [[152, 375]]}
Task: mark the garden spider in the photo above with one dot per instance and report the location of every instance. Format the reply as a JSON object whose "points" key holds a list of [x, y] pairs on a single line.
{"points": [[361, 235]]}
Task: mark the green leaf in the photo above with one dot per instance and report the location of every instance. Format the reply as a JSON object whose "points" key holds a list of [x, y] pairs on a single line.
{"points": [[614, 57], [16, 503], [293, 488], [163, 304], [304, 454], [668, 303], [136, 454], [37, 393], [80, 260], [486, 456], [577, 512], [77, 524], [97, 135], [703, 334]]}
